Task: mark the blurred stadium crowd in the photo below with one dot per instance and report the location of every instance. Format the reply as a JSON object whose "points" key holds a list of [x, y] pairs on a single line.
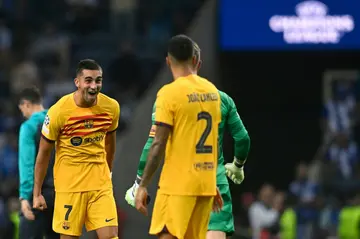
{"points": [[40, 43], [323, 200]]}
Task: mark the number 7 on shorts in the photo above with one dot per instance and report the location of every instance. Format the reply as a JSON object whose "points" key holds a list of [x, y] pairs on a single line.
{"points": [[69, 208]]}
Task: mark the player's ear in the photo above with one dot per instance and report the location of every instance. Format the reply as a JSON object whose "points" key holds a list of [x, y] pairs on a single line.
{"points": [[199, 65], [194, 60], [168, 61], [77, 82]]}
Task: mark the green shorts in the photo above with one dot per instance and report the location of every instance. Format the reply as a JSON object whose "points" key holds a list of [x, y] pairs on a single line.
{"points": [[224, 220]]}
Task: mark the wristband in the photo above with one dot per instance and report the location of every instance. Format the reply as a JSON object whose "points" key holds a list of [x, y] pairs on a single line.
{"points": [[138, 179], [137, 182], [238, 163]]}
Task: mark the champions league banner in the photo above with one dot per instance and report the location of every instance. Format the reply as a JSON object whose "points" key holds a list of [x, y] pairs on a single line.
{"points": [[289, 25]]}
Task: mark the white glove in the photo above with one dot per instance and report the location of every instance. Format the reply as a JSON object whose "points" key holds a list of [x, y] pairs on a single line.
{"points": [[235, 173], [130, 194]]}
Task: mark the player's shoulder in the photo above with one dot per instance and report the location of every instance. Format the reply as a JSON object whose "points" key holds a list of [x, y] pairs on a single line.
{"points": [[168, 91], [206, 82], [107, 101], [167, 87], [223, 95], [38, 117], [225, 98], [63, 104], [33, 122], [25, 126]]}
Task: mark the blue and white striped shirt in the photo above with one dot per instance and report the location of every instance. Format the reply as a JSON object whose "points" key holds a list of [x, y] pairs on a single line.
{"points": [[345, 158]]}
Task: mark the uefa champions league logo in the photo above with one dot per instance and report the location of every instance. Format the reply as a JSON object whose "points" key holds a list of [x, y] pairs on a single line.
{"points": [[46, 120], [312, 25]]}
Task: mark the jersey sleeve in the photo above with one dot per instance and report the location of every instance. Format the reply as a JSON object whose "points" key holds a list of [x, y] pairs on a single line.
{"points": [[27, 154], [153, 126], [238, 131], [146, 149], [52, 124], [115, 121], [164, 108]]}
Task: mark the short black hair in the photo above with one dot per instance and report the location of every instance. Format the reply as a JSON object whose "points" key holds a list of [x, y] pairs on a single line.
{"points": [[182, 48], [87, 64], [31, 94]]}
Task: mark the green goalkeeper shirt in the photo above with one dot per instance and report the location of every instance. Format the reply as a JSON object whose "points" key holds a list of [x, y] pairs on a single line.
{"points": [[230, 120]]}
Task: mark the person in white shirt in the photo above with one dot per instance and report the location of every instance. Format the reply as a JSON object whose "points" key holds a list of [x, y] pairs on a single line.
{"points": [[261, 212]]}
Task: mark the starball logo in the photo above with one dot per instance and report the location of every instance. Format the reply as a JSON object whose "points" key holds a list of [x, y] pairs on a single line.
{"points": [[312, 24]]}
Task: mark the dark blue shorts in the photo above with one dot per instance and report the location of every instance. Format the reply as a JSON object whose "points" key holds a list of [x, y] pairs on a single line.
{"points": [[41, 227]]}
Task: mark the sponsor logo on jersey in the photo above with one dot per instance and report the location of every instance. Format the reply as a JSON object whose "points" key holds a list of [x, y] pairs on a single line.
{"points": [[95, 139], [76, 141], [204, 166], [88, 124]]}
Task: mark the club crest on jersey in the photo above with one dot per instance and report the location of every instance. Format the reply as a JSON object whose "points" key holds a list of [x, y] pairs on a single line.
{"points": [[66, 226], [88, 124]]}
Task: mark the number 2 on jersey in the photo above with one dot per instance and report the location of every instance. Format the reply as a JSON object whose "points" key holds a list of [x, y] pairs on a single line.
{"points": [[201, 148]]}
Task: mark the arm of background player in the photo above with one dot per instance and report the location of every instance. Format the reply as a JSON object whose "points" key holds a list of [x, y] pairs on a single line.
{"points": [[42, 163], [110, 139], [239, 134], [164, 121], [146, 149], [143, 157], [156, 153], [27, 154]]}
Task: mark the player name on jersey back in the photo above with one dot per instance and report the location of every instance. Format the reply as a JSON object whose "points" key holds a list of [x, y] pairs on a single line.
{"points": [[204, 97], [191, 106]]}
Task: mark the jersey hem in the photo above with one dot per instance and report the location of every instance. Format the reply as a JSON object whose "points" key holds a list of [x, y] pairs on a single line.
{"points": [[187, 194], [83, 190]]}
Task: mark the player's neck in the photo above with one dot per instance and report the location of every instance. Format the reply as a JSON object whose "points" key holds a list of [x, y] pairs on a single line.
{"points": [[37, 108], [81, 103], [183, 72]]}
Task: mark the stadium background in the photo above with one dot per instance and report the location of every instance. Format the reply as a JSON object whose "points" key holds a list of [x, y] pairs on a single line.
{"points": [[281, 89]]}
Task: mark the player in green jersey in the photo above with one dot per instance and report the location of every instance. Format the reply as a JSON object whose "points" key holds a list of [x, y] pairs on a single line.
{"points": [[221, 224]]}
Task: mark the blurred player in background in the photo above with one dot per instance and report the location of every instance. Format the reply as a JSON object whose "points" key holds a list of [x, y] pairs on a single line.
{"points": [[187, 118], [221, 224], [33, 223], [83, 125]]}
